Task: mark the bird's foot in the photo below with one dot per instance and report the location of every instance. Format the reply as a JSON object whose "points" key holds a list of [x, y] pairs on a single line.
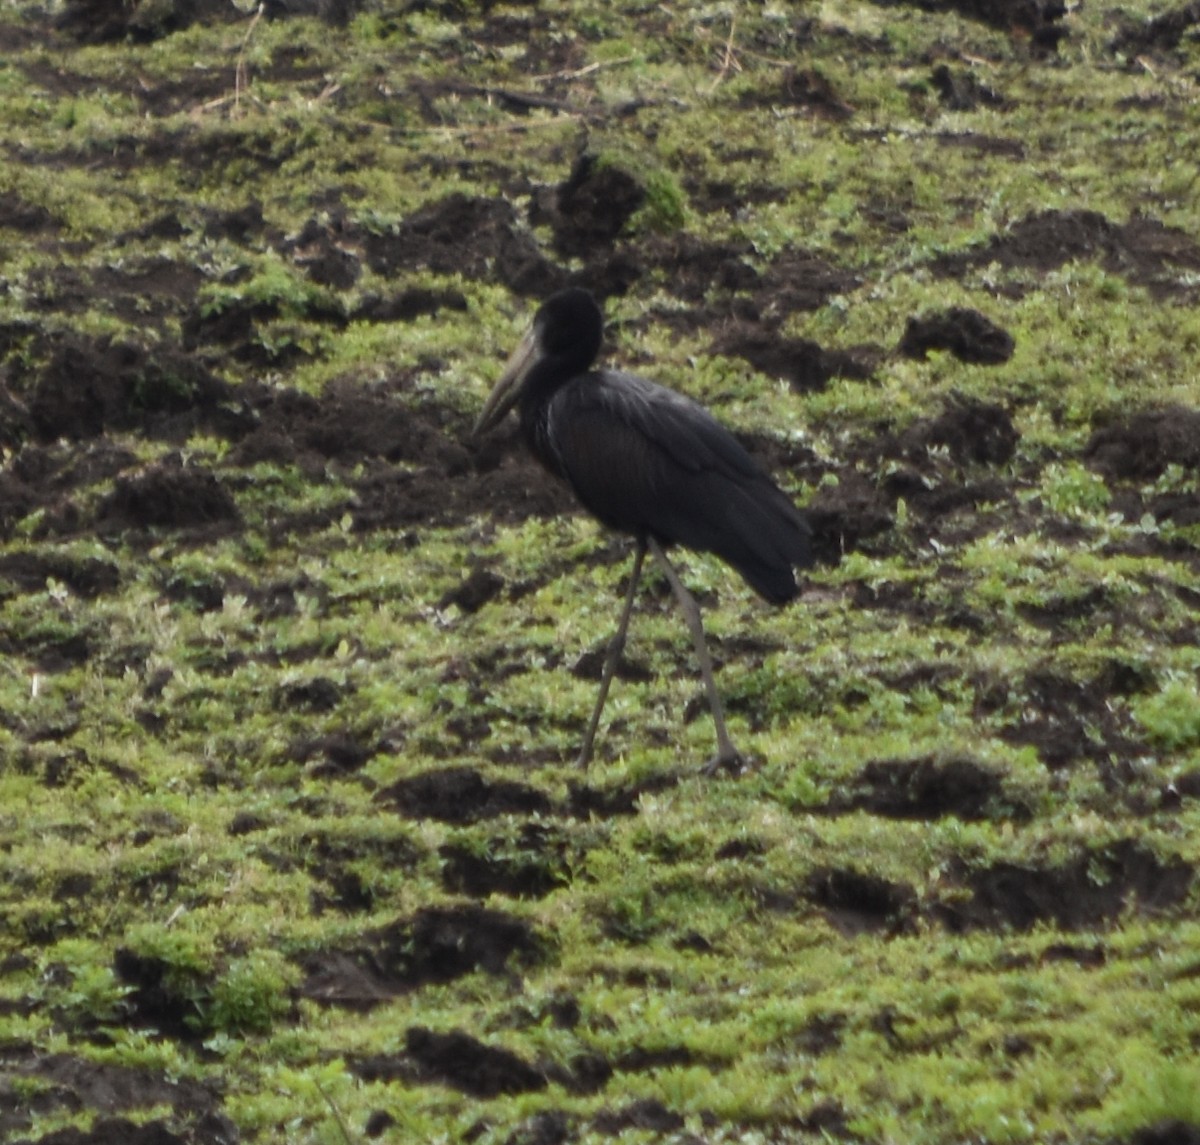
{"points": [[728, 760]]}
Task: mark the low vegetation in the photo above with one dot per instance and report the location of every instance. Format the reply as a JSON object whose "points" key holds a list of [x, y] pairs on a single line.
{"points": [[291, 844]]}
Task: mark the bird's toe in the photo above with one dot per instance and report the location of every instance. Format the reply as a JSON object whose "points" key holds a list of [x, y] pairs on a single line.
{"points": [[727, 762]]}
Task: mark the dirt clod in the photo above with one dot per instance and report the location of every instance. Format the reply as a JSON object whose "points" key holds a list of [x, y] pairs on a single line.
{"points": [[550, 1127], [856, 902], [460, 795], [89, 577], [845, 515], [648, 1114], [88, 387], [169, 496], [1143, 250], [592, 206], [972, 432], [473, 236], [967, 334], [480, 586], [1162, 33], [1141, 447], [961, 90], [531, 866], [438, 944], [464, 1063], [211, 1130], [1087, 892], [928, 789], [158, 999], [802, 363]]}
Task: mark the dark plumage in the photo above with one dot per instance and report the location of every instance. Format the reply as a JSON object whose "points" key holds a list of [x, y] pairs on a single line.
{"points": [[648, 461]]}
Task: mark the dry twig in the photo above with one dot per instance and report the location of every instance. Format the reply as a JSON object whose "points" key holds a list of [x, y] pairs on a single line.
{"points": [[729, 60]]}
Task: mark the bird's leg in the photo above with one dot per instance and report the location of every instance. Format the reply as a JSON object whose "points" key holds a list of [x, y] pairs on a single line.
{"points": [[727, 755], [614, 654]]}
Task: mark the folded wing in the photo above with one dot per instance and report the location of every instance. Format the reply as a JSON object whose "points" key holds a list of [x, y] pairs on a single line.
{"points": [[645, 459]]}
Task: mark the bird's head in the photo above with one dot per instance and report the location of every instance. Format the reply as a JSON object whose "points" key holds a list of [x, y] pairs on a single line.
{"points": [[562, 341]]}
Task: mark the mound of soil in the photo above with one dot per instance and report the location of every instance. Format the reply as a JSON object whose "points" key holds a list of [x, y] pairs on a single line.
{"points": [[89, 387], [145, 21], [856, 902], [845, 515], [72, 1083], [928, 789], [464, 1063], [156, 1000], [648, 1115], [479, 588], [461, 795], [477, 237], [962, 90], [170, 496], [438, 944], [971, 432], [19, 215], [531, 866], [966, 333], [455, 1059], [1038, 19], [1088, 892], [87, 577], [214, 1129], [1141, 447], [590, 208], [1163, 33], [1069, 720], [802, 363], [801, 87], [1143, 250], [106, 21]]}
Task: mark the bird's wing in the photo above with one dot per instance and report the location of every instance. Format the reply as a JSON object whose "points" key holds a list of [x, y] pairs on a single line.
{"points": [[608, 414], [643, 458]]}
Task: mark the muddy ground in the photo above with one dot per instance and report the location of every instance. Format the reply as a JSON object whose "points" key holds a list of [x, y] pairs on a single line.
{"points": [[138, 413]]}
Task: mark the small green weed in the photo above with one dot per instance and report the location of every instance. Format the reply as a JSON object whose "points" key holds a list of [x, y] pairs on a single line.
{"points": [[1171, 715]]}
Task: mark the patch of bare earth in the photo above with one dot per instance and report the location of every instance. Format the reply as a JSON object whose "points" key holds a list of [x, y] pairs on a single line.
{"points": [[68, 1084], [1147, 252]]}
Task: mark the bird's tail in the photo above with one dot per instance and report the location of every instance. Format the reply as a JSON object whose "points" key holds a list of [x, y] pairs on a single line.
{"points": [[761, 534]]}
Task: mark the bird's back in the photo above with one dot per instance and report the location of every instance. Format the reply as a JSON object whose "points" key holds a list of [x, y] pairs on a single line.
{"points": [[645, 459]]}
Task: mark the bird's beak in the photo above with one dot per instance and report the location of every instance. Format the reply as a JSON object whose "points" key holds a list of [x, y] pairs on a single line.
{"points": [[506, 391]]}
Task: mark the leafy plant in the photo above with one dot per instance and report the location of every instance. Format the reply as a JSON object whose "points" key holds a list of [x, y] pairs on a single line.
{"points": [[1172, 714]]}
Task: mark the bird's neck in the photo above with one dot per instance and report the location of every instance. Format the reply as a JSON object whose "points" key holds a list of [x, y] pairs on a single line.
{"points": [[534, 411], [535, 428]]}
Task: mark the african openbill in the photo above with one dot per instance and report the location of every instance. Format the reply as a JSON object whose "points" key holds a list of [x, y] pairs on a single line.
{"points": [[646, 460]]}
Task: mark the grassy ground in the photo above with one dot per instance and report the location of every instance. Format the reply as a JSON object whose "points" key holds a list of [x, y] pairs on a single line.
{"points": [[291, 844]]}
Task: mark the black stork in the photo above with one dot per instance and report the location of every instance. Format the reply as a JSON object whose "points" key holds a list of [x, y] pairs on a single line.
{"points": [[648, 461]]}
